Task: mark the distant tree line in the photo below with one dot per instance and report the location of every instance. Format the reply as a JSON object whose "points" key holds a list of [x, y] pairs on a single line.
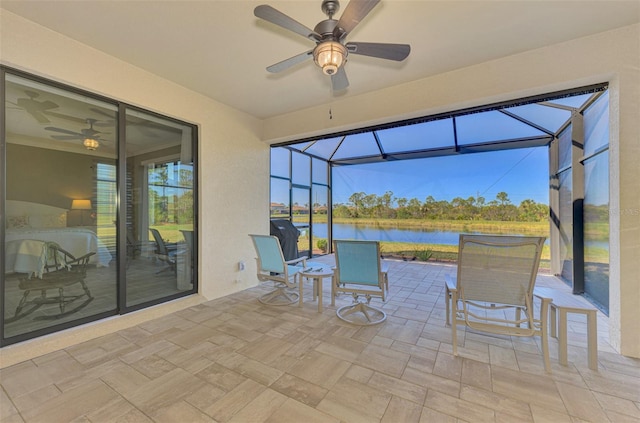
{"points": [[386, 206]]}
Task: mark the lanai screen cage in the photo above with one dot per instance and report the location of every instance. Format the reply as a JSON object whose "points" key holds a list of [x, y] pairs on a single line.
{"points": [[571, 128]]}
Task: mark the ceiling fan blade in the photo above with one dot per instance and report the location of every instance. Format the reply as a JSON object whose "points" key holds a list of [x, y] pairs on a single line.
{"points": [[65, 117], [397, 52], [276, 17], [291, 61], [66, 137], [339, 80], [38, 116], [63, 131], [355, 11]]}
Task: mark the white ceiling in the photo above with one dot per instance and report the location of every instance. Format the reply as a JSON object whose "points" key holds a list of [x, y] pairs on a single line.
{"points": [[220, 49]]}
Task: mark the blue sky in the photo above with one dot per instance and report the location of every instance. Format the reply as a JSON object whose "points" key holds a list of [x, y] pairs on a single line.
{"points": [[521, 173]]}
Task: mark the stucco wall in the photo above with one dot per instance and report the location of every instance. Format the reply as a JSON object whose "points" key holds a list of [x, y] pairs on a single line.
{"points": [[612, 57], [234, 171]]}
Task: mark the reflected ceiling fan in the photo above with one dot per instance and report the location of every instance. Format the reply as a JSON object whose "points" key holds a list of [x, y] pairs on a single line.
{"points": [[331, 50], [89, 136], [36, 108]]}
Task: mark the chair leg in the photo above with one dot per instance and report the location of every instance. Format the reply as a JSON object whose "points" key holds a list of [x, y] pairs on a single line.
{"points": [[22, 302], [363, 308], [454, 329], [61, 294]]}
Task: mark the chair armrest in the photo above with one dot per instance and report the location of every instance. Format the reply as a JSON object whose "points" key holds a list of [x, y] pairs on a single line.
{"points": [[298, 260], [451, 283]]}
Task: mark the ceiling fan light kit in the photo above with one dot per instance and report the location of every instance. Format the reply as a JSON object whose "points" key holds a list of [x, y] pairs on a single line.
{"points": [[331, 50], [330, 55], [91, 144]]}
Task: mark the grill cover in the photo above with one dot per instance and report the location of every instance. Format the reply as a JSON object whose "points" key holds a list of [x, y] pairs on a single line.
{"points": [[287, 234]]}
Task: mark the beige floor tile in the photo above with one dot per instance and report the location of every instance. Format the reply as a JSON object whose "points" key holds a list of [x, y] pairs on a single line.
{"points": [[476, 374], [581, 403], [146, 351], [321, 369], [71, 404], [295, 412], [181, 412], [432, 416], [383, 360], [402, 410], [153, 366], [517, 410], [261, 408], [542, 414], [117, 409], [125, 380], [299, 389], [230, 404], [34, 399], [533, 389], [448, 366], [165, 390], [7, 409], [250, 368], [398, 387], [612, 383], [351, 401], [431, 381], [266, 349], [359, 373], [503, 357], [458, 408], [23, 378], [221, 376], [618, 405]]}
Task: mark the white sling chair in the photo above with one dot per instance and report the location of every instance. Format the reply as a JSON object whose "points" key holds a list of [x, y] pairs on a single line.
{"points": [[493, 290]]}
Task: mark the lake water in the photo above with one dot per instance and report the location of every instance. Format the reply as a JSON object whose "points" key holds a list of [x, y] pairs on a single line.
{"points": [[373, 233], [410, 235]]}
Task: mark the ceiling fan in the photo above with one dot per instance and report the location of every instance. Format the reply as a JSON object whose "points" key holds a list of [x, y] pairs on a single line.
{"points": [[36, 108], [331, 50], [89, 136]]}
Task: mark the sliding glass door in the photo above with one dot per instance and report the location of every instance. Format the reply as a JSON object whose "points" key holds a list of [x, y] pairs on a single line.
{"points": [[98, 208], [60, 148], [160, 210]]}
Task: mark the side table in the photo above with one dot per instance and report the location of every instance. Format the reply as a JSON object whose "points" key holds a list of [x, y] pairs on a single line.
{"points": [[316, 274]]}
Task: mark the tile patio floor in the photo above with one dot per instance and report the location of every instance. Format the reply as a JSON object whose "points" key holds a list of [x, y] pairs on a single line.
{"points": [[236, 360]]}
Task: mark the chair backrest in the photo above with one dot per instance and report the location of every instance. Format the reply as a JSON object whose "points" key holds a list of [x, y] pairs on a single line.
{"points": [[270, 257], [160, 245], [358, 262], [188, 239], [498, 268]]}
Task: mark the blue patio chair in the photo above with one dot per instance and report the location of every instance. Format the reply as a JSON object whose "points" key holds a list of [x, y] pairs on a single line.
{"points": [[273, 267], [359, 272]]}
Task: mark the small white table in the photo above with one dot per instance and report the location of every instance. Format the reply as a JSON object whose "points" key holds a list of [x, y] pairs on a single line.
{"points": [[561, 304], [316, 274]]}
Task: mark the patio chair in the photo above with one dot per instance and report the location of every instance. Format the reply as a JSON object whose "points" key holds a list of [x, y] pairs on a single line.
{"points": [[273, 267], [493, 289], [60, 270], [359, 272], [165, 252]]}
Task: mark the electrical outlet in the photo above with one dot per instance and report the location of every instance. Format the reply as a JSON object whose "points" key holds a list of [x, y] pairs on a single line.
{"points": [[241, 266]]}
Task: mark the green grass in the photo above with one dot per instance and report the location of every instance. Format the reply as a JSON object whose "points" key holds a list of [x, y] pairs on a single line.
{"points": [[171, 232]]}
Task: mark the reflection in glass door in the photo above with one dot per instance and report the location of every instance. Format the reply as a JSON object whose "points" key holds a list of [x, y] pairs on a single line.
{"points": [[159, 212], [60, 236]]}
